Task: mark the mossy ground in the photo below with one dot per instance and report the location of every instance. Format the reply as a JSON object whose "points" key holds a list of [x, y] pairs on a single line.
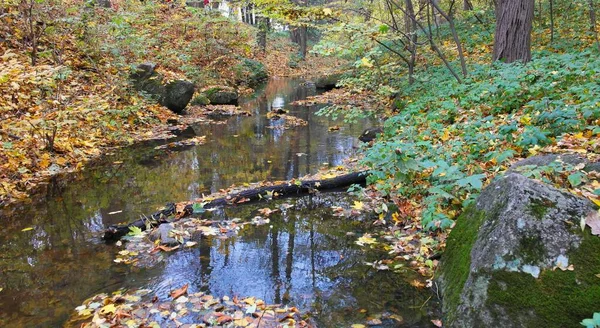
{"points": [[558, 298]]}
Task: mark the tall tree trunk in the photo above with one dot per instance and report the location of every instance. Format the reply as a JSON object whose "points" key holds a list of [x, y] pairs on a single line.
{"points": [[299, 36], [512, 41], [593, 22], [263, 29]]}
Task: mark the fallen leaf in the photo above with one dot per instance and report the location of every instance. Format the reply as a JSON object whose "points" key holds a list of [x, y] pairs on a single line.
{"points": [[27, 229], [437, 322], [593, 221], [224, 319], [110, 308], [178, 292]]}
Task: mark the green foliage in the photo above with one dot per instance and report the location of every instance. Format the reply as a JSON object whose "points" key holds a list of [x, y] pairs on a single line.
{"points": [[594, 322], [433, 147]]}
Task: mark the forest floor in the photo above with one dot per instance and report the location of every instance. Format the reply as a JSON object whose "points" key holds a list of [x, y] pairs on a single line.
{"points": [[76, 102]]}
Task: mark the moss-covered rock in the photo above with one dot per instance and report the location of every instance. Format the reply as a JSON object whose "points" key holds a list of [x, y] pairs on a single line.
{"points": [[328, 82], [175, 95], [250, 72], [508, 260], [221, 96], [200, 100]]}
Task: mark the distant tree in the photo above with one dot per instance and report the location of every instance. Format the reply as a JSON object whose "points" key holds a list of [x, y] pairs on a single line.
{"points": [[512, 41]]}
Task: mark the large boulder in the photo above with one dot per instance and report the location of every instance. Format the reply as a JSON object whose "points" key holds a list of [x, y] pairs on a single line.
{"points": [[146, 79], [177, 95], [328, 82], [221, 96], [519, 258]]}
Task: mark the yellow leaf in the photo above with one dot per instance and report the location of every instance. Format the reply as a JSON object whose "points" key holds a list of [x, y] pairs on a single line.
{"points": [[365, 62], [358, 325], [27, 229], [358, 205], [525, 120], [366, 239], [534, 150], [446, 135], [110, 308], [327, 11]]}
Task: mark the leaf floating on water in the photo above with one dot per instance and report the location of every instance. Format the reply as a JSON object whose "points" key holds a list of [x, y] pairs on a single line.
{"points": [[366, 239], [27, 229], [135, 232], [110, 308], [251, 309], [358, 205], [224, 319], [178, 292]]}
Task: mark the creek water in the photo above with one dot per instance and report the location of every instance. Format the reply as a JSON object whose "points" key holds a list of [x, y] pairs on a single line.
{"points": [[306, 257]]}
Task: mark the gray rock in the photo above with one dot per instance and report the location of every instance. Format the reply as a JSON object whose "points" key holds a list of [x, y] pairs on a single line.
{"points": [[544, 160], [147, 80], [327, 82], [177, 95], [370, 134], [222, 96], [499, 267], [200, 100], [103, 3], [162, 234]]}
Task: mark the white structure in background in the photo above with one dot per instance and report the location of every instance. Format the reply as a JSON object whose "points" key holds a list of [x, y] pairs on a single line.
{"points": [[237, 12]]}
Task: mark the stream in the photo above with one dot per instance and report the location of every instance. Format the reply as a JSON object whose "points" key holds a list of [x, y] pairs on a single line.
{"points": [[52, 257]]}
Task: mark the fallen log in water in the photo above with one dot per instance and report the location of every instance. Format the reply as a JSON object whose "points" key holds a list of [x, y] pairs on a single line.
{"points": [[115, 232]]}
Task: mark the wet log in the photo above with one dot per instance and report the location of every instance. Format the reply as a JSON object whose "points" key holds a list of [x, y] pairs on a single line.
{"points": [[287, 189]]}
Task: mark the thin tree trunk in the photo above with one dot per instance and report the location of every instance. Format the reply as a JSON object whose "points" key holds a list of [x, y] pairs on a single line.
{"points": [[450, 19], [512, 41], [467, 5], [593, 22], [432, 44], [411, 32], [551, 21]]}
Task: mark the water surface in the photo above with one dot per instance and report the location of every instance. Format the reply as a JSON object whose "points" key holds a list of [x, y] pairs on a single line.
{"points": [[305, 259]]}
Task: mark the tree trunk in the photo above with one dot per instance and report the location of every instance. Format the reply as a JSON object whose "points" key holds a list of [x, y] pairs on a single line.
{"points": [[593, 22], [551, 21], [467, 5], [288, 189], [299, 36], [512, 41], [263, 29], [411, 32]]}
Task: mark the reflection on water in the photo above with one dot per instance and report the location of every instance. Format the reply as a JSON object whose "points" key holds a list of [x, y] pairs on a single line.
{"points": [[305, 259], [47, 271]]}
